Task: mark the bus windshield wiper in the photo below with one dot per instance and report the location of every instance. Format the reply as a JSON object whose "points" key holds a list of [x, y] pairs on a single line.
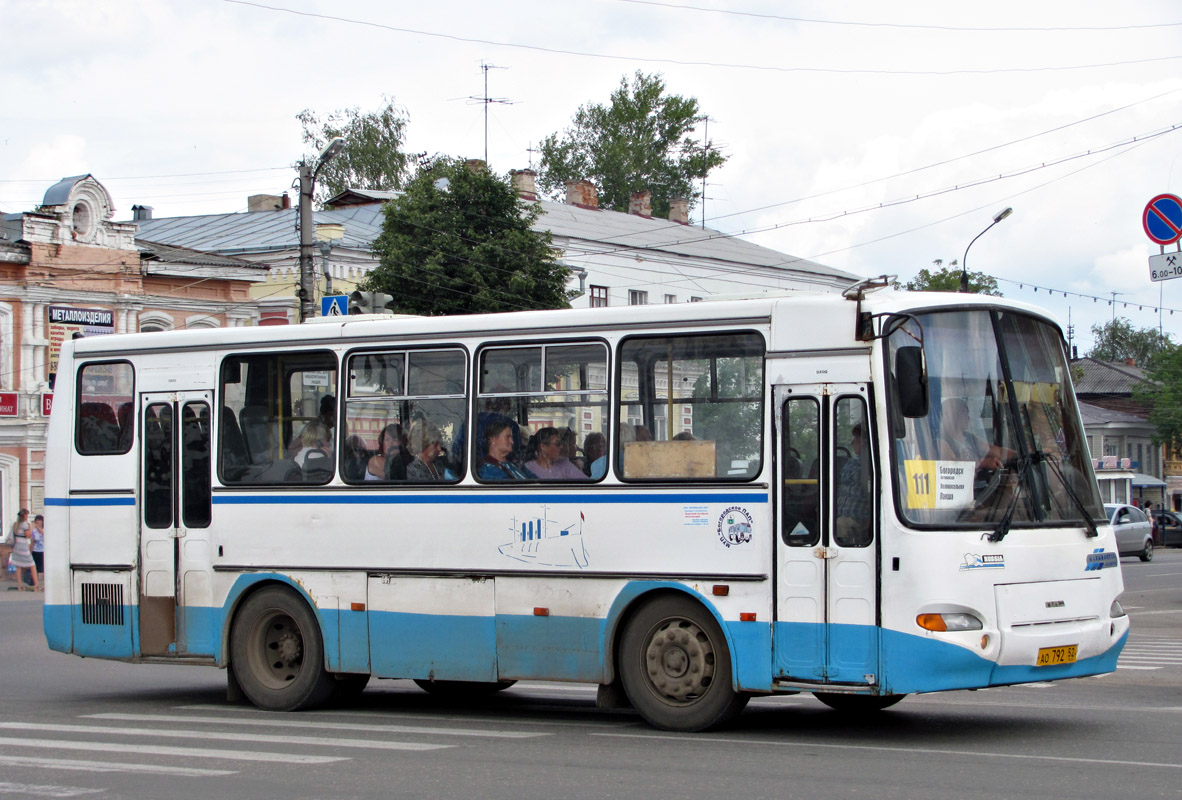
{"points": [[1007, 519], [1089, 523]]}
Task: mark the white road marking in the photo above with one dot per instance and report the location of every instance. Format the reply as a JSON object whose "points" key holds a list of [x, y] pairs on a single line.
{"points": [[316, 741], [975, 754], [111, 766], [179, 752], [337, 726], [37, 790]]}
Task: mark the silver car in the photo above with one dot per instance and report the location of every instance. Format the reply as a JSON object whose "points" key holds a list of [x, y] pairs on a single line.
{"points": [[1134, 531]]}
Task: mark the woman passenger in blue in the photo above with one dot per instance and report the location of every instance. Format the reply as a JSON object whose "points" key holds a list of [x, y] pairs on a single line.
{"points": [[499, 447]]}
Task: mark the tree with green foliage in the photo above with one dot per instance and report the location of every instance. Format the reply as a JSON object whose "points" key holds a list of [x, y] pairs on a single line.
{"points": [[1162, 390], [1118, 340], [373, 157], [638, 142], [947, 279], [458, 240]]}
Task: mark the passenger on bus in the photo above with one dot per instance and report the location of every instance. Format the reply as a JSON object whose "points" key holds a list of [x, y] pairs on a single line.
{"points": [[388, 464], [551, 463], [959, 443], [314, 439], [497, 465], [594, 447], [427, 445], [853, 502], [496, 409], [356, 457]]}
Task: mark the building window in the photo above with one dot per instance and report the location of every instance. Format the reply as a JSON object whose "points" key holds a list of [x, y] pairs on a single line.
{"points": [[598, 296], [670, 298], [695, 299], [637, 297]]}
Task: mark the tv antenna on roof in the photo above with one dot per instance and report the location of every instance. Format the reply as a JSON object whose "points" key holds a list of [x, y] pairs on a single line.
{"points": [[487, 101]]}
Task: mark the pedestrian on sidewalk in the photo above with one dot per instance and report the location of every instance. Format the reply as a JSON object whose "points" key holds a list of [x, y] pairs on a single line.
{"points": [[22, 557], [37, 544]]}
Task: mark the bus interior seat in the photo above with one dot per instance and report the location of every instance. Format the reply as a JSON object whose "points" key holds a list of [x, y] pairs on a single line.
{"points": [[317, 467], [235, 457], [258, 431], [98, 428]]}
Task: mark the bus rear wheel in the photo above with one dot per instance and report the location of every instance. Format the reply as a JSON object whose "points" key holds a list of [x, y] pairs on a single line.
{"points": [[858, 703], [676, 668], [277, 653]]}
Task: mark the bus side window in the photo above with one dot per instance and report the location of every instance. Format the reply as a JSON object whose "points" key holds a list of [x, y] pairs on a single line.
{"points": [[272, 403], [105, 393], [546, 407], [691, 407]]}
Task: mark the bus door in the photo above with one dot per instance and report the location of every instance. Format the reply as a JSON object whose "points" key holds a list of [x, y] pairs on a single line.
{"points": [[826, 562], [174, 551]]}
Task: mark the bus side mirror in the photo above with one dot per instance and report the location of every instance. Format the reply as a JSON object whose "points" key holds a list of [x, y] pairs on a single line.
{"points": [[911, 382]]}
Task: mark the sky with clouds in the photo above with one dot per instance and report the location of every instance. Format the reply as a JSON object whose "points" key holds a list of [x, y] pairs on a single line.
{"points": [[873, 137]]}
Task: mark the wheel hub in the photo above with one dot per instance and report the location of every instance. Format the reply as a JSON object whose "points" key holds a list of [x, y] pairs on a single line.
{"points": [[679, 660]]}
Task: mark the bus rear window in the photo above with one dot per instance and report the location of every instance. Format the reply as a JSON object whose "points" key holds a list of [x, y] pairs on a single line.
{"points": [[106, 411]]}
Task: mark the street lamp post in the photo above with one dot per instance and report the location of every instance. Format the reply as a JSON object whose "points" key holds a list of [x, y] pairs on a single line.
{"points": [[308, 175], [964, 262]]}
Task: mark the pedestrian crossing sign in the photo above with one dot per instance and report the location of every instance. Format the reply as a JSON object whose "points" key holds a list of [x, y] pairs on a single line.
{"points": [[334, 305]]}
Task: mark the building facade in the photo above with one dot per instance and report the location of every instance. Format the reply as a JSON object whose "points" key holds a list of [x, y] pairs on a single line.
{"points": [[68, 270]]}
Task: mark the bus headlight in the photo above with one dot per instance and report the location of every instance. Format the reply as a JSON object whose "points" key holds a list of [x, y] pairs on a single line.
{"points": [[1115, 610], [948, 622]]}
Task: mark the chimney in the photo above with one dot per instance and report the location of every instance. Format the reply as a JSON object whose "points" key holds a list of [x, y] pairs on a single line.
{"points": [[474, 164], [679, 210], [582, 194], [641, 204], [264, 202], [1130, 362], [141, 213], [523, 182], [286, 202]]}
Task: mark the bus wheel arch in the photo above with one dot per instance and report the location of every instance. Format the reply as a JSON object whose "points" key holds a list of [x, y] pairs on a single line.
{"points": [[277, 650], [675, 664]]}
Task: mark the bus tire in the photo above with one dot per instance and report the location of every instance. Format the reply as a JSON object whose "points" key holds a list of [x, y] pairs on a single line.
{"points": [[676, 668], [462, 690], [277, 653], [858, 703]]}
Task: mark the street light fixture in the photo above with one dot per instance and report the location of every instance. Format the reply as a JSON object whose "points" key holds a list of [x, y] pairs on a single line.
{"points": [[308, 175], [964, 262]]}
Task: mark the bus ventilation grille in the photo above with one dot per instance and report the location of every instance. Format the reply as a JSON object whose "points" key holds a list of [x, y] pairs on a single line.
{"points": [[102, 604]]}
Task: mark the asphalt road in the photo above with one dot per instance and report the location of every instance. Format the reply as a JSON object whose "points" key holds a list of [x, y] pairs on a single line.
{"points": [[71, 727]]}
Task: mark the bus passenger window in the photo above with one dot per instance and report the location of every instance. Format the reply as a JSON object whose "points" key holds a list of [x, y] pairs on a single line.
{"points": [[404, 410], [543, 413], [278, 419], [691, 407], [106, 415]]}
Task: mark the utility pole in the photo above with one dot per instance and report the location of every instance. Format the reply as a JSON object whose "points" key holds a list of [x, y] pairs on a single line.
{"points": [[308, 175]]}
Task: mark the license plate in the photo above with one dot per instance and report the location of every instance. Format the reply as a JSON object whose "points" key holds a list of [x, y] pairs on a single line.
{"points": [[1051, 656]]}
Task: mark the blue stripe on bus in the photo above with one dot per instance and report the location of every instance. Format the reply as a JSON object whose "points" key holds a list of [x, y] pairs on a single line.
{"points": [[587, 498], [126, 500]]}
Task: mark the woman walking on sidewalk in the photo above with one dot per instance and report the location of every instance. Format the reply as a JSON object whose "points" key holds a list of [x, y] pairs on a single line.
{"points": [[22, 557]]}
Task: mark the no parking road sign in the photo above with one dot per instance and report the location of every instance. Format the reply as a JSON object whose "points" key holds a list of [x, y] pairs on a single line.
{"points": [[1162, 219]]}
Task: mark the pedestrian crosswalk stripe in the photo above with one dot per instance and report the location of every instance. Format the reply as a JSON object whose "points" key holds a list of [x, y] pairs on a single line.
{"points": [[279, 722], [317, 741], [181, 752], [110, 766]]}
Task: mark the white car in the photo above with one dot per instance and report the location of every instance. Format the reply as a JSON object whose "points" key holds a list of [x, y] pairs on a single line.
{"points": [[1134, 531]]}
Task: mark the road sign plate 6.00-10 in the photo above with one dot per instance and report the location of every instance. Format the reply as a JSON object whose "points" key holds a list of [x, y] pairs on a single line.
{"points": [[1165, 266]]}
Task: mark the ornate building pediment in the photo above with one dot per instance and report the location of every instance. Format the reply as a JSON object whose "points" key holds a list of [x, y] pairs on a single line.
{"points": [[79, 210]]}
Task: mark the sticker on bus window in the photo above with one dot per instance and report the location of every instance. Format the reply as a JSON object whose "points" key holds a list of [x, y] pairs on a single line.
{"points": [[939, 484]]}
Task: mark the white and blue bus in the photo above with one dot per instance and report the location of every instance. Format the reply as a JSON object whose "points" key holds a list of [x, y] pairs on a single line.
{"points": [[861, 496]]}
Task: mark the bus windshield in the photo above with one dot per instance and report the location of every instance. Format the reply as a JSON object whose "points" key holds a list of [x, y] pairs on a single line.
{"points": [[1001, 444]]}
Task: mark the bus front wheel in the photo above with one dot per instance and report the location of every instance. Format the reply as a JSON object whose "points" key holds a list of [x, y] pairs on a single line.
{"points": [[277, 654], [676, 668]]}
